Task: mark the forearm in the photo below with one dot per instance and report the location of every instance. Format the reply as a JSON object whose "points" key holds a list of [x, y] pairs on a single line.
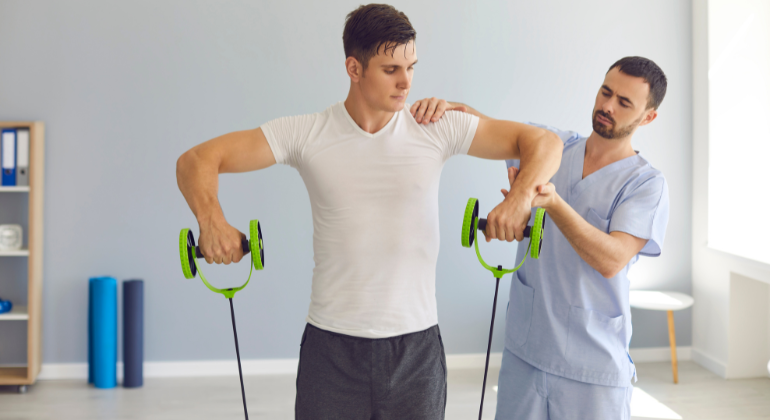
{"points": [[603, 252], [197, 176]]}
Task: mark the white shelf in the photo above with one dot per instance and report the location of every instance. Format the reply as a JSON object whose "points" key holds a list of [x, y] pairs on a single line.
{"points": [[17, 253], [18, 313], [14, 189]]}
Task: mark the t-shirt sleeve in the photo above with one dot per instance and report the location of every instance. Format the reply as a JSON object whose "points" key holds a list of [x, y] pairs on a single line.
{"points": [[455, 131], [568, 137], [643, 212], [286, 137]]}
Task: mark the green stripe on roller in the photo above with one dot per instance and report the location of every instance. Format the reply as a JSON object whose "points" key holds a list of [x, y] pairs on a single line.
{"points": [[184, 254], [536, 234], [471, 210], [256, 245]]}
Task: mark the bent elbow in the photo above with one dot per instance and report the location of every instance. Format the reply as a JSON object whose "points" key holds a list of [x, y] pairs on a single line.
{"points": [[610, 270], [555, 141], [184, 162]]}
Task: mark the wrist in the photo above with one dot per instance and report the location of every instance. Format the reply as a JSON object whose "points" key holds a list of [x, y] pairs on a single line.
{"points": [[524, 193], [553, 204], [208, 218]]}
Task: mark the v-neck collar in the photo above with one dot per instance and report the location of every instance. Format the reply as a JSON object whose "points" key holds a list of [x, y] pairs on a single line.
{"points": [[359, 129], [584, 183]]}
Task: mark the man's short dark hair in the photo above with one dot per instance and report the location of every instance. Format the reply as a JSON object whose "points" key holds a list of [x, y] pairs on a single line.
{"points": [[650, 72], [374, 25]]}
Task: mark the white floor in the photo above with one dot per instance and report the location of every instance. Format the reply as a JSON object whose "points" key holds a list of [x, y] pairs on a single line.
{"points": [[700, 395]]}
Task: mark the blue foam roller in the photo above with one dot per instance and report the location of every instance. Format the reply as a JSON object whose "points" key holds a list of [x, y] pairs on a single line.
{"points": [[133, 333], [105, 331]]}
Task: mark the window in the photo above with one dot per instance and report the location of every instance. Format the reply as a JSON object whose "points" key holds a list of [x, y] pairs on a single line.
{"points": [[739, 129]]}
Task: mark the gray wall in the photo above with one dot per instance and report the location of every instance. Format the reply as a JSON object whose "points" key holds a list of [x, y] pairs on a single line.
{"points": [[125, 87]]}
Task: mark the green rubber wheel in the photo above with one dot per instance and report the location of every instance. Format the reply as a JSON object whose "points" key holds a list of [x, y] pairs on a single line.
{"points": [[469, 219], [536, 234], [256, 246], [188, 265]]}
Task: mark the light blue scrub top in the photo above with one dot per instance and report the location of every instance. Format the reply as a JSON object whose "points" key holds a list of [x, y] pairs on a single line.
{"points": [[564, 317]]}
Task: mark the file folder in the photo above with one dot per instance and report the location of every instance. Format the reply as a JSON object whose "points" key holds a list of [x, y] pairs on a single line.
{"points": [[22, 157], [9, 157]]}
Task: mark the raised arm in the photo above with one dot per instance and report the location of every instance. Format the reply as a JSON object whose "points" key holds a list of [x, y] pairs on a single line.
{"points": [[538, 150], [197, 175]]}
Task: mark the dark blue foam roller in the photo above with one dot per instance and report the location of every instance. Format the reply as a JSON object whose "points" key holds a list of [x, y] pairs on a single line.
{"points": [[133, 333]]}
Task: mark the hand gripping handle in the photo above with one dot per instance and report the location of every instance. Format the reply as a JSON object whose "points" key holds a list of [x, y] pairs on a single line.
{"points": [[244, 247], [483, 227]]}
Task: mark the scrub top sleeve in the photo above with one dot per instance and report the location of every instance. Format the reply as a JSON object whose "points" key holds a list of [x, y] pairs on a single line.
{"points": [[643, 213]]}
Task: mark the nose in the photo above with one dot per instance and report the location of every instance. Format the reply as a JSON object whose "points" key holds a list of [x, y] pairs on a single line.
{"points": [[404, 80], [608, 107]]}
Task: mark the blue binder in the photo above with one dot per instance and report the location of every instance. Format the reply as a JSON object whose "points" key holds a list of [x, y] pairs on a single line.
{"points": [[9, 157]]}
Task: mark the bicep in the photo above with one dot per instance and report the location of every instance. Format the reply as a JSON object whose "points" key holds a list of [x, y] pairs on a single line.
{"points": [[240, 151], [499, 139]]}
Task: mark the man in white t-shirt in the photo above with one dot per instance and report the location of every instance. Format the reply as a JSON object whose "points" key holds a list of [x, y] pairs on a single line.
{"points": [[372, 347]]}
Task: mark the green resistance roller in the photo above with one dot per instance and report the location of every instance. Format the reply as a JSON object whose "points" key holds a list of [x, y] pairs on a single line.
{"points": [[189, 254], [472, 224]]}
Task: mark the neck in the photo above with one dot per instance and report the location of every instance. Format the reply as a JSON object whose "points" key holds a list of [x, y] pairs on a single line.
{"points": [[601, 152], [368, 118]]}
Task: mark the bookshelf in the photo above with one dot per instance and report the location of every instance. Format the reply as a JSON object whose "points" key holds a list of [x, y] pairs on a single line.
{"points": [[31, 311]]}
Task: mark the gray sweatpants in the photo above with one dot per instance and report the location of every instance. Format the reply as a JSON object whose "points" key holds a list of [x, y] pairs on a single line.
{"points": [[343, 377]]}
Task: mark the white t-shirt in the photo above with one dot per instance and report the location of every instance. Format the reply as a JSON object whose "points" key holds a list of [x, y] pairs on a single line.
{"points": [[374, 199]]}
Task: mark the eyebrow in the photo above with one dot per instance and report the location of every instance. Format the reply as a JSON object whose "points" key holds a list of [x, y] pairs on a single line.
{"points": [[396, 65], [622, 98]]}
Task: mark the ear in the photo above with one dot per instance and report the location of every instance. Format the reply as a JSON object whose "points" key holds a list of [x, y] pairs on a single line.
{"points": [[650, 116], [354, 68]]}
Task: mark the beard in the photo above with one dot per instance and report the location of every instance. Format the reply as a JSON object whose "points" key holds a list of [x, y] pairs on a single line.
{"points": [[612, 132]]}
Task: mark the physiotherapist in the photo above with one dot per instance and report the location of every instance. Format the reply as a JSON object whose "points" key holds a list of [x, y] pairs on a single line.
{"points": [[568, 325]]}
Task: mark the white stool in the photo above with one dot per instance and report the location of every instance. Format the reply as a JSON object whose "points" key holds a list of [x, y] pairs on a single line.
{"points": [[663, 301]]}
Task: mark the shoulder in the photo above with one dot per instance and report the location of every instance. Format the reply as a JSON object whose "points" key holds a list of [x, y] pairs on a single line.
{"points": [[452, 123], [644, 176], [302, 122]]}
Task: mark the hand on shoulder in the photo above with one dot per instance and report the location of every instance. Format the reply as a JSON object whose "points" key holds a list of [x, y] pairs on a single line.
{"points": [[430, 110]]}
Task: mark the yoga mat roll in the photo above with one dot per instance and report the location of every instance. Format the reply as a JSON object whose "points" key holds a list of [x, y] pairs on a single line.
{"points": [[133, 333], [104, 324]]}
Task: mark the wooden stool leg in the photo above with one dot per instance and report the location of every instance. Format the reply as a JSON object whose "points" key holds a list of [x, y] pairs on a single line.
{"points": [[672, 341]]}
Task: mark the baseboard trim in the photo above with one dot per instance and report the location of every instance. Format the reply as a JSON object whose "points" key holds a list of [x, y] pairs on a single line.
{"points": [[473, 360], [202, 368], [659, 354], [709, 362]]}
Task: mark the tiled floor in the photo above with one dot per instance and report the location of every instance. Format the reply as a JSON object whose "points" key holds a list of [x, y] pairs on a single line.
{"points": [[700, 395]]}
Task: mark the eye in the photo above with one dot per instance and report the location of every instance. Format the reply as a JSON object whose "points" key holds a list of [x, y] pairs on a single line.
{"points": [[390, 71], [624, 105], [605, 94]]}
